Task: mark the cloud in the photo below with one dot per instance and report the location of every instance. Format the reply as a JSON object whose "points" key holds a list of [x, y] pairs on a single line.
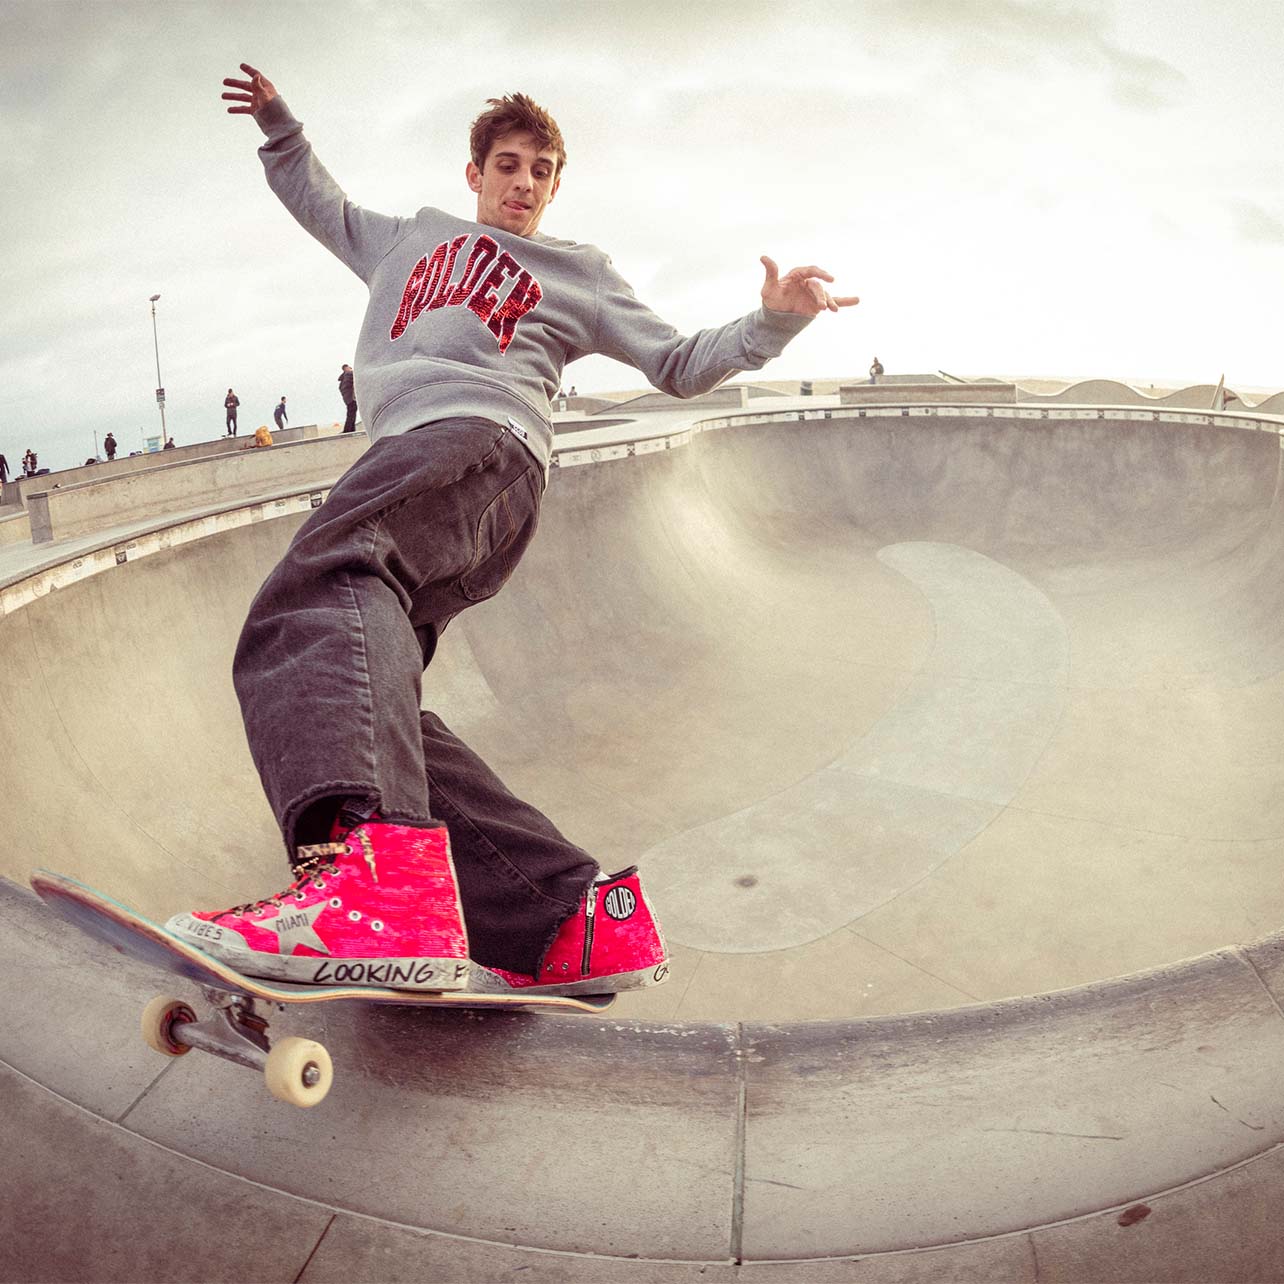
{"points": [[890, 140], [1020, 38], [1141, 81], [1256, 225]]}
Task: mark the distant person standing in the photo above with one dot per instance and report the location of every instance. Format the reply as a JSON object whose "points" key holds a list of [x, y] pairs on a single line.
{"points": [[875, 370], [230, 403], [29, 463], [109, 445], [4, 470], [169, 444], [349, 399], [279, 414]]}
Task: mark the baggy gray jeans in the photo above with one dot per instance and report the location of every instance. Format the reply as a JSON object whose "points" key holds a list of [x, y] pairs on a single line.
{"points": [[329, 666]]}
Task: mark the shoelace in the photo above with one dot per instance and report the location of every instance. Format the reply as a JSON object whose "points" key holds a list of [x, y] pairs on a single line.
{"points": [[312, 861]]}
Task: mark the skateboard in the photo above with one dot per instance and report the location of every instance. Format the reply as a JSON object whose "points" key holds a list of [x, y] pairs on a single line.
{"points": [[298, 1071]]}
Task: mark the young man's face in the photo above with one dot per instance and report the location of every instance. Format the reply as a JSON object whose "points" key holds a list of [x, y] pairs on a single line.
{"points": [[515, 184]]}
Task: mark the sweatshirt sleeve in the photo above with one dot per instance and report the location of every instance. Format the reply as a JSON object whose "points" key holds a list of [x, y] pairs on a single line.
{"points": [[685, 366], [359, 237]]}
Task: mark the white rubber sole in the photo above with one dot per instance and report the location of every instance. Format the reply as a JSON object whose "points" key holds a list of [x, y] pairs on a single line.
{"points": [[433, 974], [484, 981]]}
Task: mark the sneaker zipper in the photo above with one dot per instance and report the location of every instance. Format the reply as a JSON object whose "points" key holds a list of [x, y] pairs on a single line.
{"points": [[590, 908]]}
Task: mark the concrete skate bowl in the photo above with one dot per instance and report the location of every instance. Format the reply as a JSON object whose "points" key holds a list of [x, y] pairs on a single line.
{"points": [[903, 716]]}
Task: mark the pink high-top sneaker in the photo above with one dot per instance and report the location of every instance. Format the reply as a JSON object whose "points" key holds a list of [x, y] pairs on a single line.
{"points": [[379, 908], [612, 942]]}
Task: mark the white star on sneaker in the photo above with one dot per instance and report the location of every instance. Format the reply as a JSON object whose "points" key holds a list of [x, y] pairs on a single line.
{"points": [[295, 927]]}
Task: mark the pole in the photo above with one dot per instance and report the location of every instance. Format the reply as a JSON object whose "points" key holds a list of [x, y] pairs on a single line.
{"points": [[160, 395]]}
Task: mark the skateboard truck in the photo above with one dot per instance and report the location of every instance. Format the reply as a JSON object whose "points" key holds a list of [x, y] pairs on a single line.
{"points": [[297, 1071]]}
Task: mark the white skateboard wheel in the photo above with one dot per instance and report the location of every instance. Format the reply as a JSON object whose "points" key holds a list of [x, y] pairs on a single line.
{"points": [[159, 1017], [299, 1071]]}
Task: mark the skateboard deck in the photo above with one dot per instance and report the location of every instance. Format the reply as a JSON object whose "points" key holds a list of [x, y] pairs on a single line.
{"points": [[300, 1074]]}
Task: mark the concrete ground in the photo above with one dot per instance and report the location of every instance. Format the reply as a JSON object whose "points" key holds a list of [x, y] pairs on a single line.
{"points": [[898, 713]]}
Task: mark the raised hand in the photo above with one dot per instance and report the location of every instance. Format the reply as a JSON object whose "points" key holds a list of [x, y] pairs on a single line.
{"points": [[800, 290], [256, 92]]}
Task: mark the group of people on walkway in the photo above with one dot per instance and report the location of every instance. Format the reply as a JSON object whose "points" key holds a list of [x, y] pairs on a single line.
{"points": [[231, 403], [347, 395], [30, 466]]}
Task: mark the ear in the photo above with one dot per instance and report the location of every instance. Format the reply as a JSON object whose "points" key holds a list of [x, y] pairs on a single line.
{"points": [[557, 182], [474, 176]]}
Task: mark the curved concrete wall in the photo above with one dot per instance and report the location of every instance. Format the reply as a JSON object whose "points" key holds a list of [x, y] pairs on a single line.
{"points": [[1125, 1129]]}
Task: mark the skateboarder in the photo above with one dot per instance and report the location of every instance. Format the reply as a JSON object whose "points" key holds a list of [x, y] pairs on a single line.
{"points": [[230, 403], [280, 415], [389, 820]]}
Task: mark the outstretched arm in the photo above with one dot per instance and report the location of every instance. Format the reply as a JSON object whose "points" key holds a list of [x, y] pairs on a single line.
{"points": [[685, 366], [359, 237]]}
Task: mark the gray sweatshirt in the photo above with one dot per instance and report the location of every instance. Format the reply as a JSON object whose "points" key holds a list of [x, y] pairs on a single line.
{"points": [[466, 319]]}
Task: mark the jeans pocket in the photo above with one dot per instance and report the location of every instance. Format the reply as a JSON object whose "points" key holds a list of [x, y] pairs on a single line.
{"points": [[503, 532]]}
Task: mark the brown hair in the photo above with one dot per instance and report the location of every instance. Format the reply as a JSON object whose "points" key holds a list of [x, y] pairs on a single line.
{"points": [[515, 114]]}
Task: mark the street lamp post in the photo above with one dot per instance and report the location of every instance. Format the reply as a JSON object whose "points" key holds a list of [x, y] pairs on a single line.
{"points": [[160, 387]]}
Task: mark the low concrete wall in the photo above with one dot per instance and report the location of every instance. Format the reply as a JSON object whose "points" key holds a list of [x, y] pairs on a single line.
{"points": [[926, 394], [730, 394], [107, 501], [15, 528], [15, 492], [581, 405]]}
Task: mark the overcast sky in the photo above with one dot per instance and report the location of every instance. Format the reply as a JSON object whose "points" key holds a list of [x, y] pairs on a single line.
{"points": [[1078, 188]]}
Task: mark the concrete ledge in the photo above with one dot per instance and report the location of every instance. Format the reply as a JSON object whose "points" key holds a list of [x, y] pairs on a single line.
{"points": [[15, 528], [1018, 1114], [926, 394], [578, 425], [80, 508]]}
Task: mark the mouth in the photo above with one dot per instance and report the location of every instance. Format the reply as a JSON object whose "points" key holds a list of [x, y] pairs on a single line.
{"points": [[516, 207]]}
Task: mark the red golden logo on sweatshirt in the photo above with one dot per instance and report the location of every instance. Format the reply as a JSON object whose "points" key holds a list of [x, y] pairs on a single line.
{"points": [[432, 284]]}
